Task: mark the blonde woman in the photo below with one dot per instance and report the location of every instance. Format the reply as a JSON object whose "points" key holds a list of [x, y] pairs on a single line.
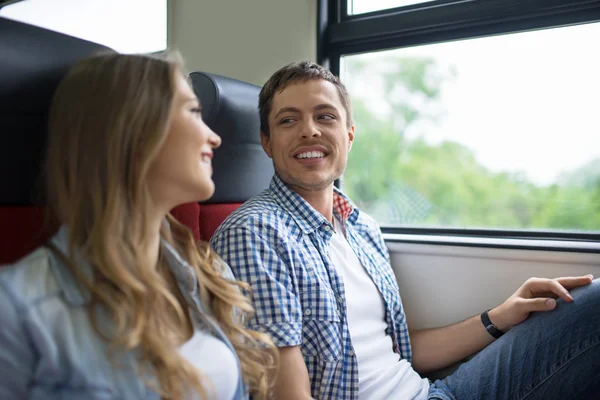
{"points": [[121, 303]]}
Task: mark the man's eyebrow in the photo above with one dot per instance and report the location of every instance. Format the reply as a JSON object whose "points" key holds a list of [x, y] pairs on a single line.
{"points": [[286, 109], [325, 106], [318, 107]]}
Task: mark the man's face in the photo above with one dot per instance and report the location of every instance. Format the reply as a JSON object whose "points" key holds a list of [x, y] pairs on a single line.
{"points": [[309, 140]]}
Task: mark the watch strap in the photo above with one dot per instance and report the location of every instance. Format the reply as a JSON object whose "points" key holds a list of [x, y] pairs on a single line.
{"points": [[489, 327]]}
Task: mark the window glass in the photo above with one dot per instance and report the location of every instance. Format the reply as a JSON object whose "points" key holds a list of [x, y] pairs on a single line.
{"points": [[496, 132], [365, 6], [132, 26]]}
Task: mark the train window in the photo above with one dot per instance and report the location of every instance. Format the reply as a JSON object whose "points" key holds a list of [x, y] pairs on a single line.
{"points": [[365, 6], [133, 26], [493, 132]]}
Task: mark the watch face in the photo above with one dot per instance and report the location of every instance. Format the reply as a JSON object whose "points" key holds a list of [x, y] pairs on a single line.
{"points": [[495, 332]]}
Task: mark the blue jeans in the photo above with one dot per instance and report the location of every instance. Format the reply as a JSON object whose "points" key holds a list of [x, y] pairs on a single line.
{"points": [[552, 355]]}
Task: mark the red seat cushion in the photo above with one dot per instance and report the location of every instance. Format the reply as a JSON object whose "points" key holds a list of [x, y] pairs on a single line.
{"points": [[23, 229], [189, 215], [203, 219], [212, 215]]}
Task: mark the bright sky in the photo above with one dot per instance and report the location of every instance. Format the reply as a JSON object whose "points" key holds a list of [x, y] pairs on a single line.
{"points": [[128, 26], [528, 102]]}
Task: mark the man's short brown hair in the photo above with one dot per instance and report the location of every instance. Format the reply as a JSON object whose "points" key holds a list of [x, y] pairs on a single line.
{"points": [[301, 71]]}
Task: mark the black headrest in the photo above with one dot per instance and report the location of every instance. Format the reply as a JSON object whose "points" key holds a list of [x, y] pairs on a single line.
{"points": [[230, 108], [32, 62]]}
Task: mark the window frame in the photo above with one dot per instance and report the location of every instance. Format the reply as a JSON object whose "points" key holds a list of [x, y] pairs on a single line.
{"points": [[340, 34]]}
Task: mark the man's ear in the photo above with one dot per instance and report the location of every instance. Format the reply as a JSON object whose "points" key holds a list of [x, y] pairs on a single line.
{"points": [[266, 144], [350, 137]]}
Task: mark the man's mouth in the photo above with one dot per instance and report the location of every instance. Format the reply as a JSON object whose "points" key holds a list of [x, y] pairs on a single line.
{"points": [[310, 154]]}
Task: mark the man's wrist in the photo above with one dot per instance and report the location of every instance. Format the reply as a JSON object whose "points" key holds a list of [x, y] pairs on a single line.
{"points": [[495, 316], [489, 326]]}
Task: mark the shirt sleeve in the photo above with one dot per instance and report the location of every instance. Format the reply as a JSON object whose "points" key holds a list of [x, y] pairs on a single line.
{"points": [[254, 260], [16, 354]]}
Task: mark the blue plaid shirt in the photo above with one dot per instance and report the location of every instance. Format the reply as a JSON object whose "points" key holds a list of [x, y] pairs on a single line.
{"points": [[280, 245]]}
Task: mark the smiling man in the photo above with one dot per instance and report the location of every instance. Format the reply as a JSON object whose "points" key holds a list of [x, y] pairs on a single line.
{"points": [[323, 287]]}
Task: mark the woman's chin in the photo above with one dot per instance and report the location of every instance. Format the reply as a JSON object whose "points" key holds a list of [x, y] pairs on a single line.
{"points": [[206, 192], [195, 194]]}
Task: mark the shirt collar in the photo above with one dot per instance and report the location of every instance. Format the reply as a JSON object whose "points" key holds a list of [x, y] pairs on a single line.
{"points": [[344, 208], [307, 218]]}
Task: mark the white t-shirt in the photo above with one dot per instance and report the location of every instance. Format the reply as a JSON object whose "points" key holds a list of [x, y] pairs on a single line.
{"points": [[381, 372], [215, 361]]}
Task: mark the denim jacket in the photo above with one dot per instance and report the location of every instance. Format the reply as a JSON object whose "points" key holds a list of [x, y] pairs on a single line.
{"points": [[48, 348]]}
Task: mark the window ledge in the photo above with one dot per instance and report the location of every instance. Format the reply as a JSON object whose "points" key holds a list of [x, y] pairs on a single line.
{"points": [[578, 246]]}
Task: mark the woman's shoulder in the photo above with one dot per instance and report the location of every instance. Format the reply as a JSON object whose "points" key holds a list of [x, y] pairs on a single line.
{"points": [[30, 279], [42, 323], [26, 287]]}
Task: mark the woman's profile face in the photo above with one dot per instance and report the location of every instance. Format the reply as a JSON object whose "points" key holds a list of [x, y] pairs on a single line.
{"points": [[182, 171]]}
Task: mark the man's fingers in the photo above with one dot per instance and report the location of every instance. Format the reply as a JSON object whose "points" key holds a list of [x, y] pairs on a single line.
{"points": [[560, 290], [540, 287], [572, 282], [538, 304]]}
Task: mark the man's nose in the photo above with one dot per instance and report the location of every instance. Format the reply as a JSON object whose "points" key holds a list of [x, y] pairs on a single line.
{"points": [[310, 129]]}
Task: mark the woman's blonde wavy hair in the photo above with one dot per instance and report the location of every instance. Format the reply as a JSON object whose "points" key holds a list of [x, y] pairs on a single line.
{"points": [[108, 120]]}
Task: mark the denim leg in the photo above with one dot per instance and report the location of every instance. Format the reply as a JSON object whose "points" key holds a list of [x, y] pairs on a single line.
{"points": [[552, 355], [439, 391]]}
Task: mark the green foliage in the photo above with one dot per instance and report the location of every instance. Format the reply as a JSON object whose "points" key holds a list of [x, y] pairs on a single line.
{"points": [[413, 182]]}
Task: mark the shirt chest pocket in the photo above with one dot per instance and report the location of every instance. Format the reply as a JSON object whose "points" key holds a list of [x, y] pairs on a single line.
{"points": [[321, 326]]}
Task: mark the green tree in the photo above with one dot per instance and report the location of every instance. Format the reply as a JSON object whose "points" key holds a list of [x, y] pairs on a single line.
{"points": [[413, 182]]}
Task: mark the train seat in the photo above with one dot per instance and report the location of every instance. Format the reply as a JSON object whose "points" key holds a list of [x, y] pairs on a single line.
{"points": [[241, 167], [32, 62]]}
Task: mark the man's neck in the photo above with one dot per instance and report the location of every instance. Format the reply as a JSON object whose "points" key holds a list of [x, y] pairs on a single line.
{"points": [[320, 200]]}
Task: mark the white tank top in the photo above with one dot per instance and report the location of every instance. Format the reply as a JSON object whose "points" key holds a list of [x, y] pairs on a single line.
{"points": [[216, 363], [381, 372]]}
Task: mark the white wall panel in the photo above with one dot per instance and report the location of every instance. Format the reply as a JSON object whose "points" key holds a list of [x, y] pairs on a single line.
{"points": [[441, 285]]}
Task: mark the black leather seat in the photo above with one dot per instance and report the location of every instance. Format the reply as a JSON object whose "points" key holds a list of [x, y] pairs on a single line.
{"points": [[32, 62], [241, 167]]}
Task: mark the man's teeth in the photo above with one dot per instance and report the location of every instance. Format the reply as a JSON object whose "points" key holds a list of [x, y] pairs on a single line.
{"points": [[311, 154]]}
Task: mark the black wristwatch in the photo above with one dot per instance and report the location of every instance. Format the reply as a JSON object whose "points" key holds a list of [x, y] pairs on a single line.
{"points": [[491, 328]]}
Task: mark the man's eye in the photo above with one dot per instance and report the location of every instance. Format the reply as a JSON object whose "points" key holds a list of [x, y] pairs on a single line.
{"points": [[286, 121], [197, 110], [326, 117]]}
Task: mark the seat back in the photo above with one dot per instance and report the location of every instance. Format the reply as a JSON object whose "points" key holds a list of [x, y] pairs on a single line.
{"points": [[32, 62], [241, 167]]}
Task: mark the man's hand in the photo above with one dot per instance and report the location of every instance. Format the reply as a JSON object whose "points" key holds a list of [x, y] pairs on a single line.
{"points": [[438, 348], [536, 294]]}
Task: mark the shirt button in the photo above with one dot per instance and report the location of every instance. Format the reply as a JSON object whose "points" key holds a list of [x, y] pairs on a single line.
{"points": [[351, 352], [327, 228], [307, 311]]}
